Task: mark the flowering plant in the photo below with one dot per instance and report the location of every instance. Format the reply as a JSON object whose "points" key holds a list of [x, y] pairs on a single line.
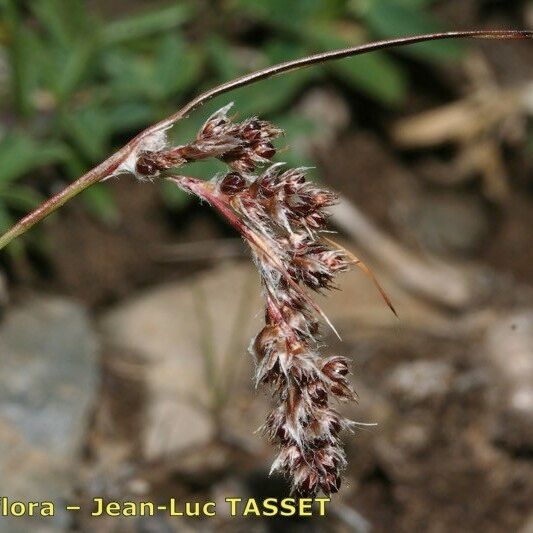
{"points": [[282, 218]]}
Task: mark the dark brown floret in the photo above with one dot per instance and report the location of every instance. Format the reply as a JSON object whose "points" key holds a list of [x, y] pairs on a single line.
{"points": [[336, 368], [232, 183]]}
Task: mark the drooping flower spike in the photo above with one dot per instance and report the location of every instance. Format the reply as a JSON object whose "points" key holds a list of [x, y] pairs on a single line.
{"points": [[281, 216]]}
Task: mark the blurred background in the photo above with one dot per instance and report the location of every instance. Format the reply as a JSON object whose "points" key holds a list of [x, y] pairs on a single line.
{"points": [[125, 317]]}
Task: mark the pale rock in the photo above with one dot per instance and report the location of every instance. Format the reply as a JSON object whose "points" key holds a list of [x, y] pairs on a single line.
{"points": [[48, 383], [420, 381], [3, 291], [509, 346], [176, 329]]}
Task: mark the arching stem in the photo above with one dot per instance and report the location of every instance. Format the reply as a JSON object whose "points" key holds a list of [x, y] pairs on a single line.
{"points": [[110, 165]]}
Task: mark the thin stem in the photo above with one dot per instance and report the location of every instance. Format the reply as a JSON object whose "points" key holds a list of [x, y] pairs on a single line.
{"points": [[106, 168], [49, 206], [323, 57]]}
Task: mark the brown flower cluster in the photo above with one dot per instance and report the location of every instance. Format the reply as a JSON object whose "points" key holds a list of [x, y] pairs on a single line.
{"points": [[281, 216], [287, 213], [241, 145]]}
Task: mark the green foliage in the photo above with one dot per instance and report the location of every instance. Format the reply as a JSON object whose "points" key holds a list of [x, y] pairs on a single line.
{"points": [[161, 20], [20, 155], [80, 86], [403, 17]]}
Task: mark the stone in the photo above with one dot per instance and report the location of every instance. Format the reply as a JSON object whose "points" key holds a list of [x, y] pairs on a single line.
{"points": [[528, 526], [191, 338], [3, 291], [449, 223], [48, 383], [420, 381], [509, 345]]}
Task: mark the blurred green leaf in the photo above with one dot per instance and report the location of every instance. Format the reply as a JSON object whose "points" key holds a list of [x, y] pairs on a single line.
{"points": [[69, 68], [173, 196], [20, 197], [20, 154], [89, 129], [206, 169], [279, 50], [391, 18], [286, 14], [130, 76], [376, 74], [420, 4], [172, 68], [222, 58], [26, 54], [128, 116], [6, 220], [145, 24], [7, 9], [100, 202], [177, 66], [293, 147], [65, 20], [16, 248], [267, 97], [59, 58]]}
